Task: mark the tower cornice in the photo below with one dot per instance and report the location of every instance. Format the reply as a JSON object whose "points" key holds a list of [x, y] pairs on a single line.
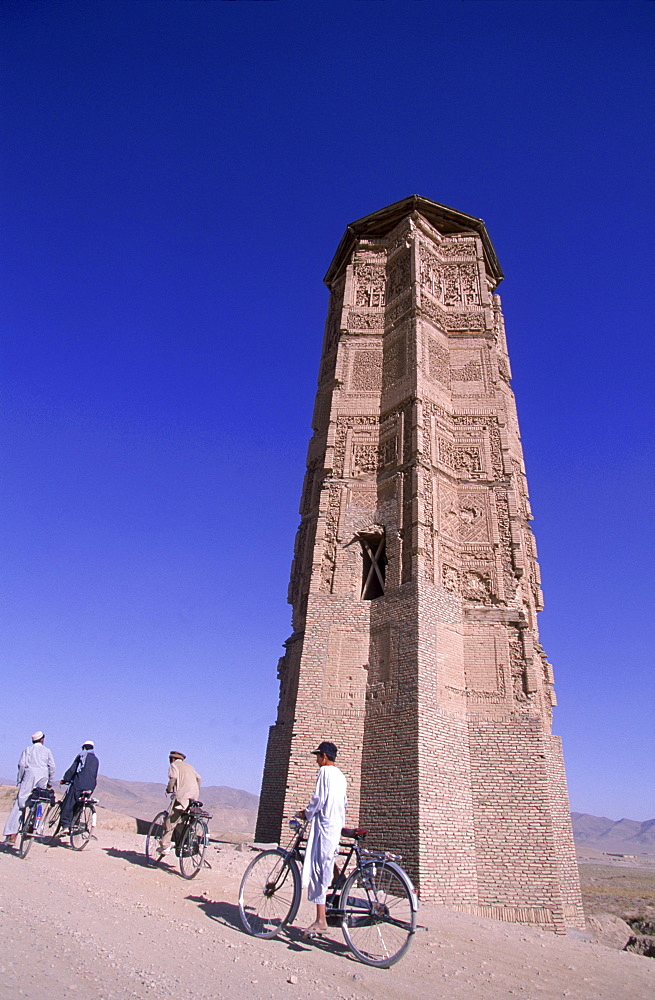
{"points": [[446, 220]]}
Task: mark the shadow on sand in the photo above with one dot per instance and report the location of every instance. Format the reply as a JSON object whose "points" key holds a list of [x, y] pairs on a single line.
{"points": [[134, 857], [291, 938]]}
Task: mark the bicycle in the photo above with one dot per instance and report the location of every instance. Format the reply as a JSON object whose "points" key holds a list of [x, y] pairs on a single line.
{"points": [[82, 824], [34, 818], [190, 838], [374, 903]]}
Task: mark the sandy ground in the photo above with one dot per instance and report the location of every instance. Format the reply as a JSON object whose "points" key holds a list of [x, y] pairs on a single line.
{"points": [[101, 925]]}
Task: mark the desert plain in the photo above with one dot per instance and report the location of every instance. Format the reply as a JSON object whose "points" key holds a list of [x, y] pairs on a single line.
{"points": [[102, 925]]}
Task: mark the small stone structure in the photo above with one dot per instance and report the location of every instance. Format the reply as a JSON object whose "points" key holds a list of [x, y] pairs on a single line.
{"points": [[415, 585]]}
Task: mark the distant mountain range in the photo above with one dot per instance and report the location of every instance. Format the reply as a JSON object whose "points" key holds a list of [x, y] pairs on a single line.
{"points": [[234, 810], [623, 836]]}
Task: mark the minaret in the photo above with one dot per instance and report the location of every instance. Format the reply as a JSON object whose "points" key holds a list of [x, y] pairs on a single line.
{"points": [[415, 586]]}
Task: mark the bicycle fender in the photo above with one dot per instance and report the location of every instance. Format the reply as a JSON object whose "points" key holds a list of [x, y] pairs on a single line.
{"points": [[402, 875]]}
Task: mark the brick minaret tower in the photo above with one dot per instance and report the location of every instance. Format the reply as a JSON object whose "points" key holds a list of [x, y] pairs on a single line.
{"points": [[415, 585]]}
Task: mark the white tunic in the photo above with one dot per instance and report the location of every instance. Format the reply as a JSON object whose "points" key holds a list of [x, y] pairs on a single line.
{"points": [[36, 769], [327, 811]]}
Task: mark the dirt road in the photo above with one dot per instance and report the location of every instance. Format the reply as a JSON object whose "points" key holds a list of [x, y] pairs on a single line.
{"points": [[100, 925]]}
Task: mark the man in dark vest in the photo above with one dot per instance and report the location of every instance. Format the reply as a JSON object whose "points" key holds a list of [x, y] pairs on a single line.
{"points": [[81, 776]]}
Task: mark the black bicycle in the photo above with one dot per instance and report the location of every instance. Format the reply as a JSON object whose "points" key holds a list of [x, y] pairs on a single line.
{"points": [[374, 902], [190, 839], [82, 824], [34, 818]]}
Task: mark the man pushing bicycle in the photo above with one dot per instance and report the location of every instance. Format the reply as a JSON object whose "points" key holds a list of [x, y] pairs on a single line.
{"points": [[183, 785], [327, 811]]}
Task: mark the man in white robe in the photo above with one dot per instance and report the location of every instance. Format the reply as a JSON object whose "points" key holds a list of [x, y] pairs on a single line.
{"points": [[327, 811], [36, 769]]}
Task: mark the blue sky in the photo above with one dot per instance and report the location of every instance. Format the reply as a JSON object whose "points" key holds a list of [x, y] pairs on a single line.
{"points": [[176, 179]]}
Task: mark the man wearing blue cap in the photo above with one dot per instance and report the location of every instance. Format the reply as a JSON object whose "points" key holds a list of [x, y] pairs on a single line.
{"points": [[327, 811]]}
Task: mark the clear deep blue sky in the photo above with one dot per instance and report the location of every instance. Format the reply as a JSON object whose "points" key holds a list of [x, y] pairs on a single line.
{"points": [[176, 179]]}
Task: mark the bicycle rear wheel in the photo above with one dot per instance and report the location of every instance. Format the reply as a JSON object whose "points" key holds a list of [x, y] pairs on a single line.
{"points": [[269, 894], [27, 831], [153, 837], [52, 824], [379, 918], [81, 828], [192, 848]]}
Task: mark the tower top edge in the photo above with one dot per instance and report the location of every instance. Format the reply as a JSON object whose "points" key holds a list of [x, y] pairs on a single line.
{"points": [[446, 220]]}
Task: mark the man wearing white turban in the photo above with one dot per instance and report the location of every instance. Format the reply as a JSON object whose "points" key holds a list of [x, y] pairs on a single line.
{"points": [[36, 769]]}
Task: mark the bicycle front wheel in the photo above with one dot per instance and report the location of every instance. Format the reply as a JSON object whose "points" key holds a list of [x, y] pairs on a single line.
{"points": [[81, 828], [27, 831], [153, 837], [192, 848], [379, 915], [269, 894]]}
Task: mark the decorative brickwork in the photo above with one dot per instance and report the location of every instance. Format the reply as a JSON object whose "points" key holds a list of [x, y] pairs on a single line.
{"points": [[436, 690]]}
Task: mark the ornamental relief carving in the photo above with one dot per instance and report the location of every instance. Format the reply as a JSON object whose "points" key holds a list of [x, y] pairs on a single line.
{"points": [[463, 460], [365, 321], [370, 282], [399, 276], [470, 372], [366, 371], [463, 246], [364, 459], [443, 417], [344, 425], [438, 363], [395, 360], [389, 452], [448, 511], [454, 321], [450, 284], [398, 309], [329, 560], [428, 518], [488, 423], [450, 578], [477, 587], [473, 518], [402, 238], [510, 581], [366, 498], [517, 665]]}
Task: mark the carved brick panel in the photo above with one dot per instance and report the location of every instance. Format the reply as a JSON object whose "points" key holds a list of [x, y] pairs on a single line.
{"points": [[370, 285], [366, 371], [438, 363], [450, 284], [395, 358], [365, 321], [399, 275]]}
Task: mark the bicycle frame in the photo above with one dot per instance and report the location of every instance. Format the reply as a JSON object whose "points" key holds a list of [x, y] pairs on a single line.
{"points": [[363, 856]]}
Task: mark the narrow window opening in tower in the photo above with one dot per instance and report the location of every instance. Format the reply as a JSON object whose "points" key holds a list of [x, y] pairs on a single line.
{"points": [[374, 565]]}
